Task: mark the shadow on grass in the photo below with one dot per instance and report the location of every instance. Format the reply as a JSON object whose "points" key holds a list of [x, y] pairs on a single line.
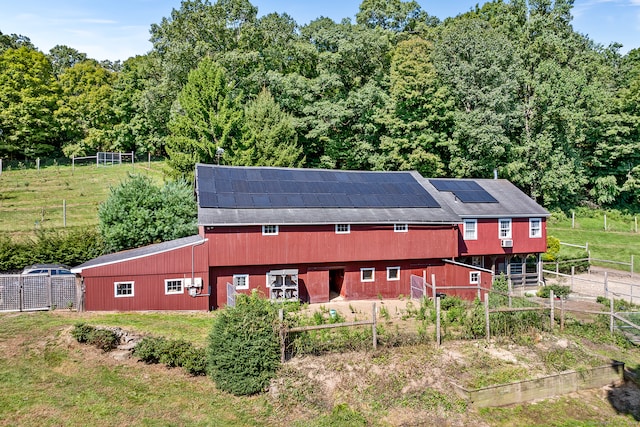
{"points": [[625, 397]]}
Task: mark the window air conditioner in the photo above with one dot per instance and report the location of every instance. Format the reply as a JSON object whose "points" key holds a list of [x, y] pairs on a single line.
{"points": [[506, 243]]}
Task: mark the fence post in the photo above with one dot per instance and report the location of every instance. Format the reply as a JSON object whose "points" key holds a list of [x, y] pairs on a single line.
{"points": [[611, 315], [606, 285], [50, 292], [0, 166], [509, 290], [373, 327], [551, 303], [438, 334], [557, 268], [573, 219], [561, 314], [573, 272], [486, 315], [433, 283], [635, 218], [282, 336], [605, 222]]}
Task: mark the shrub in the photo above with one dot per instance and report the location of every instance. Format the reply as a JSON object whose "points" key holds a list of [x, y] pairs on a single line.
{"points": [[104, 339], [82, 332], [558, 291], [244, 351], [172, 352], [194, 361], [149, 349]]}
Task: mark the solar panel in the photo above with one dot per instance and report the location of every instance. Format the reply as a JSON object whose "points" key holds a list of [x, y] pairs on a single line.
{"points": [[238, 187], [465, 190]]}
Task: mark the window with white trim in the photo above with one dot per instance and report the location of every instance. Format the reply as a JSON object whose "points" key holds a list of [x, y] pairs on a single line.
{"points": [[343, 228], [535, 227], [470, 229], [504, 228], [269, 230], [173, 286], [367, 274], [241, 281], [401, 228], [393, 273], [123, 289], [474, 277]]}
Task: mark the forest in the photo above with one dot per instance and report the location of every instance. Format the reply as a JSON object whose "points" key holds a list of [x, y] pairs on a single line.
{"points": [[507, 87]]}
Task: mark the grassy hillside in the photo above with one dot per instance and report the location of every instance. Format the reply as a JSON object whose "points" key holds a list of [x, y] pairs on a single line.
{"points": [[31, 199], [50, 379], [617, 243]]}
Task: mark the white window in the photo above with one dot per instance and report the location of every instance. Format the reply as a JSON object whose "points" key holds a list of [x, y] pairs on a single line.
{"points": [[343, 228], [173, 286], [535, 227], [504, 230], [470, 229], [400, 228], [269, 230], [123, 289], [241, 281], [367, 274], [474, 277], [393, 273]]}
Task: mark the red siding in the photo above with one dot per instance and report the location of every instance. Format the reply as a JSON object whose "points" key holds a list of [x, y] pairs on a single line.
{"points": [[320, 244], [148, 274], [488, 242]]}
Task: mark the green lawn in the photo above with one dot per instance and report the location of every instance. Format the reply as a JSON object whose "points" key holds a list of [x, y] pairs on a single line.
{"points": [[617, 243], [31, 199]]}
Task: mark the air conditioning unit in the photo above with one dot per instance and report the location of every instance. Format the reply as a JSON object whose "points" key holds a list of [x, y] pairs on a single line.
{"points": [[506, 243]]}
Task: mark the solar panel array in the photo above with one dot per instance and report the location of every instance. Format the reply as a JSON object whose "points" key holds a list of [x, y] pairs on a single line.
{"points": [[465, 191], [269, 188]]}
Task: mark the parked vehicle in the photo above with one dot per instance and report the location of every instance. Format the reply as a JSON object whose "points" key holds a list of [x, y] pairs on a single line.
{"points": [[50, 269]]}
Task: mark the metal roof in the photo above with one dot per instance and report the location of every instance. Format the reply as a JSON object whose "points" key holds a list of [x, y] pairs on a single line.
{"points": [[509, 200], [229, 195], [139, 252]]}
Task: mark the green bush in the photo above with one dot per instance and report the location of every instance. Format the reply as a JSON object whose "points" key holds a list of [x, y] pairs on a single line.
{"points": [[172, 352], [82, 332], [244, 350], [558, 291], [194, 361], [70, 248], [150, 349], [104, 339]]}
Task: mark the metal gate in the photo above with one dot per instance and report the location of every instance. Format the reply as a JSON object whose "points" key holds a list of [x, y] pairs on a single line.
{"points": [[231, 295], [37, 292]]}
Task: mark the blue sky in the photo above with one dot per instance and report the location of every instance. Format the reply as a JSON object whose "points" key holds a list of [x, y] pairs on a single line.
{"points": [[119, 29]]}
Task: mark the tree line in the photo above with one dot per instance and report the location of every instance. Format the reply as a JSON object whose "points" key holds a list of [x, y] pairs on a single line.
{"points": [[509, 86]]}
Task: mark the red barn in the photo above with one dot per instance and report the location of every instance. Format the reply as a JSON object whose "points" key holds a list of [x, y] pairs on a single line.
{"points": [[316, 235]]}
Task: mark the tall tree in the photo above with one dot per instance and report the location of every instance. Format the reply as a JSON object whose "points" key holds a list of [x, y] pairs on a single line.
{"points": [[86, 113], [268, 136], [63, 57], [28, 94], [206, 118], [419, 116]]}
